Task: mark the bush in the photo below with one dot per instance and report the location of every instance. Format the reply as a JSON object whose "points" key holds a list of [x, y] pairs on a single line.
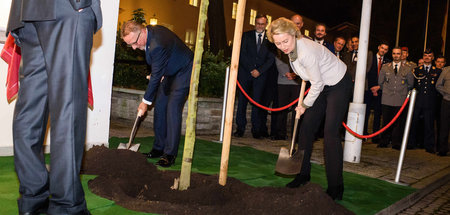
{"points": [[130, 71], [212, 75]]}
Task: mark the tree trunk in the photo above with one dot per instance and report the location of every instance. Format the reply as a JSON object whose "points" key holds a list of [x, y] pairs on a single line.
{"points": [[216, 27]]}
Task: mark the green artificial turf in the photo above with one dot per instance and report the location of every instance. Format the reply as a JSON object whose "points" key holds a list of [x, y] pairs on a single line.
{"points": [[363, 195]]}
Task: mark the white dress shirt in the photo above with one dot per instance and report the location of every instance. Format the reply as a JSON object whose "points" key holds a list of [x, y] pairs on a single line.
{"points": [[262, 36], [316, 64]]}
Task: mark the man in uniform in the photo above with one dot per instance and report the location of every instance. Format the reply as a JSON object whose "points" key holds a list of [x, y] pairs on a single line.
{"points": [[425, 80], [395, 80]]}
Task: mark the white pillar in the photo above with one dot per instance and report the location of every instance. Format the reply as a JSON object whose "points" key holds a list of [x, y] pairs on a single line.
{"points": [[357, 110], [102, 61]]}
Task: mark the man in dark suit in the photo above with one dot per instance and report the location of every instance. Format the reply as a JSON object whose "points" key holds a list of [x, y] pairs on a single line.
{"points": [[55, 38], [319, 35], [351, 59], [372, 96], [171, 62], [337, 46], [256, 63], [426, 77]]}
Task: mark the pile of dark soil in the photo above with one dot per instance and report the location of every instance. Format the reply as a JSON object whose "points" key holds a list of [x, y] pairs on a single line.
{"points": [[128, 179]]}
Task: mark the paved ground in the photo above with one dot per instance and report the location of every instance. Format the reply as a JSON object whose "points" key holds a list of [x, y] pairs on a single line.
{"points": [[420, 170]]}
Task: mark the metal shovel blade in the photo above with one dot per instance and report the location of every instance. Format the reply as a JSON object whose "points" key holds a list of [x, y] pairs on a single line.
{"points": [[289, 165], [133, 147], [129, 145]]}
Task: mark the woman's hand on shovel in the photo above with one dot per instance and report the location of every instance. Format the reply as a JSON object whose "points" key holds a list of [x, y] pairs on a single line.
{"points": [[299, 110]]}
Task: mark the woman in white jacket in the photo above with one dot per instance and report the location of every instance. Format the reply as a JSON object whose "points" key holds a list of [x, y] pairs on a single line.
{"points": [[328, 98]]}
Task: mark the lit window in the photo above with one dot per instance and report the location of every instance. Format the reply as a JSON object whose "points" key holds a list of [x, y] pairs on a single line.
{"points": [[234, 12], [269, 20], [253, 14], [306, 32], [190, 38], [193, 3]]}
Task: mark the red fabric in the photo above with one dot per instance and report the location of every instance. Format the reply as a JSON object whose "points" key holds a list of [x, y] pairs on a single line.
{"points": [[379, 65], [11, 55]]}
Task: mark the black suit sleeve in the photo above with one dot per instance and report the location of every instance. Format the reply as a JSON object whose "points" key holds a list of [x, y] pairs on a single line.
{"points": [[244, 62], [160, 58], [268, 61]]}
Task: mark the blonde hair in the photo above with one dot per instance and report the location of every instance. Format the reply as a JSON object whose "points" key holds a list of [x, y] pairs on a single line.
{"points": [[281, 26], [130, 26]]}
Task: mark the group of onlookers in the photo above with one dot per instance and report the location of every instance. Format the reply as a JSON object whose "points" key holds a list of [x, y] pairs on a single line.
{"points": [[265, 73]]}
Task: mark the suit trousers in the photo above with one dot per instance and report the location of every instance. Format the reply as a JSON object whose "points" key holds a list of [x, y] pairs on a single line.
{"points": [[373, 103], [428, 125], [394, 133], [445, 126], [53, 84], [286, 95], [332, 104], [169, 111], [254, 87]]}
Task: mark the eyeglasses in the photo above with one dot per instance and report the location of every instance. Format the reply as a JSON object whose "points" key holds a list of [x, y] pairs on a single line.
{"points": [[131, 44]]}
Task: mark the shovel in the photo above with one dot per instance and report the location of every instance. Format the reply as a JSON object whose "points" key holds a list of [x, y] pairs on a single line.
{"points": [[129, 145], [290, 163]]}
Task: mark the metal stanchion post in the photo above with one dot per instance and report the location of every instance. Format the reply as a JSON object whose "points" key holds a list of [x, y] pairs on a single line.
{"points": [[225, 93], [406, 134]]}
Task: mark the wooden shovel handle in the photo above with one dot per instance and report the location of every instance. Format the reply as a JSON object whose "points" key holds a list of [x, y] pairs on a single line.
{"points": [[300, 98], [297, 117]]}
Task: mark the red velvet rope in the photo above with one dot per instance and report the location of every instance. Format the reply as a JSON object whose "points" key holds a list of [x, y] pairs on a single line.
{"points": [[381, 130], [343, 123], [264, 107]]}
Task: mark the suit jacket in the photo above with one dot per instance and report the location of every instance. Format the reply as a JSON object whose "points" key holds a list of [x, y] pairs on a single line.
{"points": [[44, 10], [250, 59], [168, 56], [425, 84], [395, 86], [372, 75], [351, 66]]}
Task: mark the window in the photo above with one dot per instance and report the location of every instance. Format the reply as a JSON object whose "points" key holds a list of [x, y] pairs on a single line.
{"points": [[253, 14], [190, 38], [193, 3], [269, 20], [234, 12], [306, 32]]}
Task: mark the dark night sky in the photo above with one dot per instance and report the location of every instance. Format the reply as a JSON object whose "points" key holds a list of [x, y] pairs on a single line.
{"points": [[383, 19]]}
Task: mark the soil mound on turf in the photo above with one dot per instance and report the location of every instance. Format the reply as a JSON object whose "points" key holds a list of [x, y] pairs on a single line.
{"points": [[128, 179]]}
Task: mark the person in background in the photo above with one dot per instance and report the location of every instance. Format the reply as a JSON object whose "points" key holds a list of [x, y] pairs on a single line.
{"points": [[395, 81], [256, 63], [372, 96], [298, 20], [441, 144], [425, 81], [443, 87], [288, 91], [328, 98], [338, 45], [319, 35]]}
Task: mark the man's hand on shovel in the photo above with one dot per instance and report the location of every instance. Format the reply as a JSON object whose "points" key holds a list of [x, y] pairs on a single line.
{"points": [[143, 108]]}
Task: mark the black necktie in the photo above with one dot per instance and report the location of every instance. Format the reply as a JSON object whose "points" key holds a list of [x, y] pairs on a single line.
{"points": [[395, 69], [258, 45]]}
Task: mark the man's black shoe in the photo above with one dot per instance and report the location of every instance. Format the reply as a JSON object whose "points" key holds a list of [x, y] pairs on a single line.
{"points": [[166, 160], [278, 137], [396, 147], [264, 134], [154, 153], [442, 154], [238, 134], [431, 151], [257, 136], [299, 181]]}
